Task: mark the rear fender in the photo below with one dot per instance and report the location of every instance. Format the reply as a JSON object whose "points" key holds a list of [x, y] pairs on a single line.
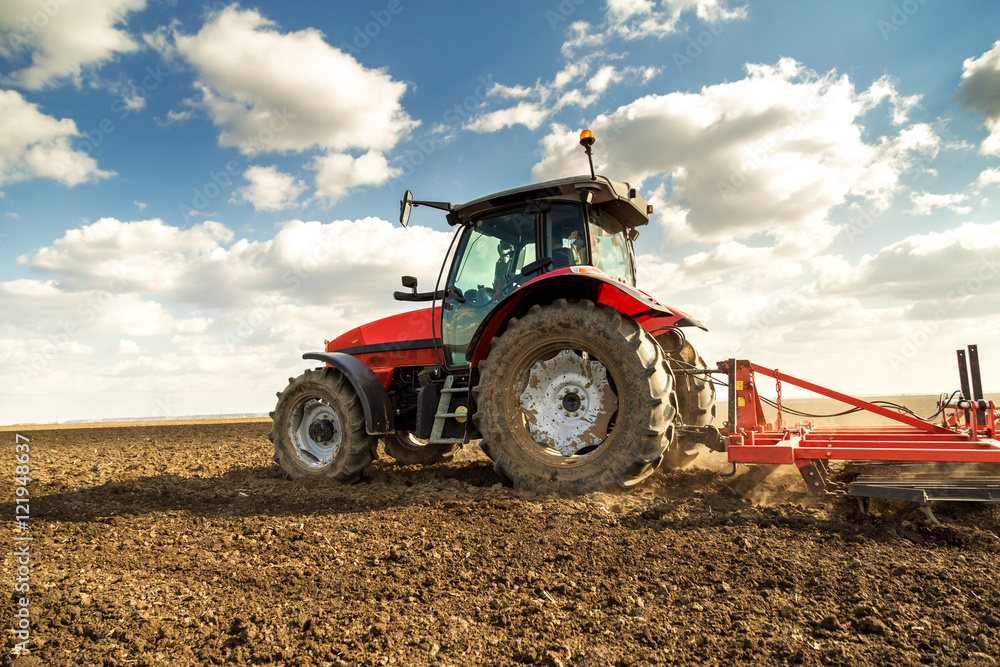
{"points": [[379, 419], [579, 282]]}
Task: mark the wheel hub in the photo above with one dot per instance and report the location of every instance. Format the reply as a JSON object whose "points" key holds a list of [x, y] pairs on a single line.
{"points": [[316, 434], [568, 403], [321, 430], [571, 401]]}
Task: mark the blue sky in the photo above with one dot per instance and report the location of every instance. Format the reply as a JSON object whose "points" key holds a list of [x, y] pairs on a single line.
{"points": [[193, 194]]}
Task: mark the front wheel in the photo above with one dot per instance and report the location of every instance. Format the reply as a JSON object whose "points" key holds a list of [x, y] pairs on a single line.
{"points": [[575, 397], [319, 428], [408, 449]]}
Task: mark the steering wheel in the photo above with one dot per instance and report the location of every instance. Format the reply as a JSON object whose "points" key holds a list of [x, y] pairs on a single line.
{"points": [[479, 297]]}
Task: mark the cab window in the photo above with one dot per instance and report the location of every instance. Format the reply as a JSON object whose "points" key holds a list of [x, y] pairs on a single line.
{"points": [[565, 238], [609, 247]]}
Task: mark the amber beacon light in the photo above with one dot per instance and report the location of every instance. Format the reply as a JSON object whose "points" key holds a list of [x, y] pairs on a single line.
{"points": [[587, 140]]}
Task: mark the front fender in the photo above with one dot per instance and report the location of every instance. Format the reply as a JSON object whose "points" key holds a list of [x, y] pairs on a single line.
{"points": [[379, 415], [578, 282]]}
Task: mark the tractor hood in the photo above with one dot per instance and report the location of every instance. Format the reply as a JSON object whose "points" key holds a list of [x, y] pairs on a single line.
{"points": [[405, 331]]}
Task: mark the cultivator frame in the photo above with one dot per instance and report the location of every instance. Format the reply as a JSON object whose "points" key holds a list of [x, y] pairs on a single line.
{"points": [[913, 459]]}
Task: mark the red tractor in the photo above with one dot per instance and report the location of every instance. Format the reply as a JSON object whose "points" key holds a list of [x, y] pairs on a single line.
{"points": [[573, 378]]}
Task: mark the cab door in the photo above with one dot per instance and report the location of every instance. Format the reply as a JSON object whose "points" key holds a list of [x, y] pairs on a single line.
{"points": [[487, 267]]}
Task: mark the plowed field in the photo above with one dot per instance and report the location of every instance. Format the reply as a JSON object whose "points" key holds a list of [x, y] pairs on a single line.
{"points": [[181, 544]]}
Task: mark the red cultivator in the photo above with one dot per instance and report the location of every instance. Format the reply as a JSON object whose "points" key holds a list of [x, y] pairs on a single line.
{"points": [[916, 460]]}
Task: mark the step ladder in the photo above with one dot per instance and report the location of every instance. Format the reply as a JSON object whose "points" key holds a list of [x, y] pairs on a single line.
{"points": [[442, 415]]}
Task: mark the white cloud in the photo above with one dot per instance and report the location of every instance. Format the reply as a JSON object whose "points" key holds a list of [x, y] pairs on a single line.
{"points": [[587, 75], [154, 318], [986, 178], [884, 89], [68, 313], [980, 91], [603, 78], [34, 145], [634, 19], [270, 189], [302, 262], [525, 113], [127, 346], [272, 91], [773, 153], [639, 19], [337, 174], [63, 38], [925, 203], [947, 268], [500, 90], [539, 102]]}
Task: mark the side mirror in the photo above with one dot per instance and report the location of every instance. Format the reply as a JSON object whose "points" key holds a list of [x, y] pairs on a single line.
{"points": [[410, 283], [404, 217]]}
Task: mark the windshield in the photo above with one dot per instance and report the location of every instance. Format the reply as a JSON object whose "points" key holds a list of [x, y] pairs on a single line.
{"points": [[494, 251], [609, 247]]}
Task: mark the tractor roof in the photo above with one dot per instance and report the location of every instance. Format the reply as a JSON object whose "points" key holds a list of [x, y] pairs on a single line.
{"points": [[619, 199]]}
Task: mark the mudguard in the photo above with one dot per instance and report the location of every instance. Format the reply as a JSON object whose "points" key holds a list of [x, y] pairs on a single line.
{"points": [[578, 282], [379, 419]]}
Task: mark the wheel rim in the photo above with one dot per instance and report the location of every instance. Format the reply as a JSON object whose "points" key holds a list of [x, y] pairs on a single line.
{"points": [[315, 433], [568, 404]]}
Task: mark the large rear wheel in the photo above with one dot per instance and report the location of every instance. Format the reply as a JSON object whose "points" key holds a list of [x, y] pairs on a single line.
{"points": [[695, 402], [319, 428], [408, 449], [574, 397]]}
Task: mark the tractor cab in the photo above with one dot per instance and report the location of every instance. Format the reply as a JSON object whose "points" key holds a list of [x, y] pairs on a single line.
{"points": [[508, 240]]}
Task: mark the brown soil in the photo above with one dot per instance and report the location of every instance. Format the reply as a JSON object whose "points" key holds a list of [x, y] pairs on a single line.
{"points": [[182, 545]]}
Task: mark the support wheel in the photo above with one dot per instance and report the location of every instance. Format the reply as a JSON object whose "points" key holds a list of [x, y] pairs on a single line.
{"points": [[319, 428], [575, 397], [407, 449]]}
